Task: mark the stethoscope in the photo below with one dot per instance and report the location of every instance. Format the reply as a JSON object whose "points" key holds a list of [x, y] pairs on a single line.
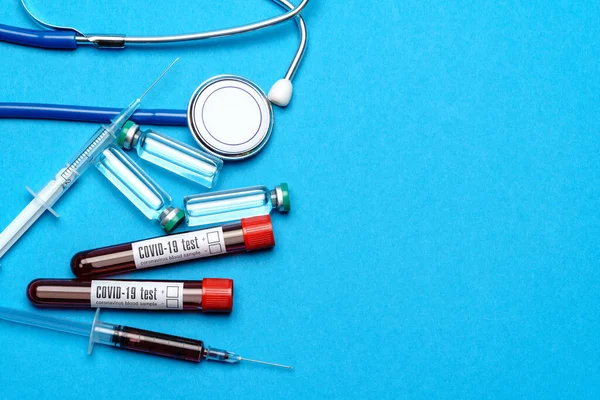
{"points": [[229, 116]]}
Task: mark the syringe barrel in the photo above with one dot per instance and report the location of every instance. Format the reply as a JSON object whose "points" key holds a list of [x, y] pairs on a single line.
{"points": [[97, 143], [143, 341], [88, 154], [207, 295], [160, 344], [249, 234]]}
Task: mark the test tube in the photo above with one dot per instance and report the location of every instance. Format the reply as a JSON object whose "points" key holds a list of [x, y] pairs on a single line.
{"points": [[229, 205], [210, 295], [247, 234]]}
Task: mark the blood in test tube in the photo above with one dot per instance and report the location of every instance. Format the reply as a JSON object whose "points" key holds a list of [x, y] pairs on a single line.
{"points": [[248, 234], [210, 295]]}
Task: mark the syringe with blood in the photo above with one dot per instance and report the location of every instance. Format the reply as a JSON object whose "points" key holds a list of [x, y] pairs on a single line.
{"points": [[128, 338]]}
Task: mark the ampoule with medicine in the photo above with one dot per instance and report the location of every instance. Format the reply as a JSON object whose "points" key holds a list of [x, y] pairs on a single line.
{"points": [[247, 234], [171, 154], [139, 188], [229, 205]]}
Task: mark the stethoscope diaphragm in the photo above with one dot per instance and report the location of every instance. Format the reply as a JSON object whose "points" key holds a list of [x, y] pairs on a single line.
{"points": [[230, 117]]}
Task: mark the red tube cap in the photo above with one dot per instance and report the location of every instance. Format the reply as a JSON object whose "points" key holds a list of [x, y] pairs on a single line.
{"points": [[258, 232], [217, 295]]}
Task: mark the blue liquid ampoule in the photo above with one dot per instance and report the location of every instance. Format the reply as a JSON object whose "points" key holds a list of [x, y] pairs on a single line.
{"points": [[139, 188], [171, 154], [230, 205]]}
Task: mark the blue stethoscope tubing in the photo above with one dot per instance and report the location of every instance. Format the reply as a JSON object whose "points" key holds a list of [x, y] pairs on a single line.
{"points": [[58, 40], [90, 114]]}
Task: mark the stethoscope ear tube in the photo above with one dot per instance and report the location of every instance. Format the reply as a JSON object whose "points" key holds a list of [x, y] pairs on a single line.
{"points": [[65, 40]]}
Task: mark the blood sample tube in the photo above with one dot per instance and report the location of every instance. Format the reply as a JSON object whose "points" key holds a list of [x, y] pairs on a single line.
{"points": [[248, 234], [212, 295]]}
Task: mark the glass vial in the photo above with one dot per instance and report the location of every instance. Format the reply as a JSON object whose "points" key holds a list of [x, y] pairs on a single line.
{"points": [[171, 154], [230, 205], [139, 188]]}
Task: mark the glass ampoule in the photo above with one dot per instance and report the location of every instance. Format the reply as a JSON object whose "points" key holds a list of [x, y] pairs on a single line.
{"points": [[139, 188], [171, 154], [229, 205]]}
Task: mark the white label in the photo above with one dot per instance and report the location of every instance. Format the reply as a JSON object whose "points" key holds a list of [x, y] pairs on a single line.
{"points": [[138, 295], [176, 248]]}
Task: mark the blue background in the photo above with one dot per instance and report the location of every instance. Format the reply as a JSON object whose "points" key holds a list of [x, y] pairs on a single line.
{"points": [[443, 159]]}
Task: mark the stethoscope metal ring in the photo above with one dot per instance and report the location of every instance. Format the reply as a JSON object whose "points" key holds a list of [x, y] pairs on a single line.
{"points": [[230, 117]]}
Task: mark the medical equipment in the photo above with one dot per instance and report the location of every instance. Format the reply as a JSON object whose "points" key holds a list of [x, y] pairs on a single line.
{"points": [[60, 37], [217, 130], [171, 154], [64, 179], [139, 188], [249, 234], [230, 205], [228, 116], [210, 295], [128, 338]]}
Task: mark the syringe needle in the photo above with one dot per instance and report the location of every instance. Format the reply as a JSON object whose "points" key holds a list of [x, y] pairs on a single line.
{"points": [[159, 78], [267, 363]]}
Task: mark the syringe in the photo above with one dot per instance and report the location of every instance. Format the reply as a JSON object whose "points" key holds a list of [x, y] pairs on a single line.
{"points": [[45, 199], [128, 338]]}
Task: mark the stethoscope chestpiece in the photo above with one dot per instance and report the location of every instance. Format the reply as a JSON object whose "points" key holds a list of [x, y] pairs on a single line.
{"points": [[230, 117]]}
